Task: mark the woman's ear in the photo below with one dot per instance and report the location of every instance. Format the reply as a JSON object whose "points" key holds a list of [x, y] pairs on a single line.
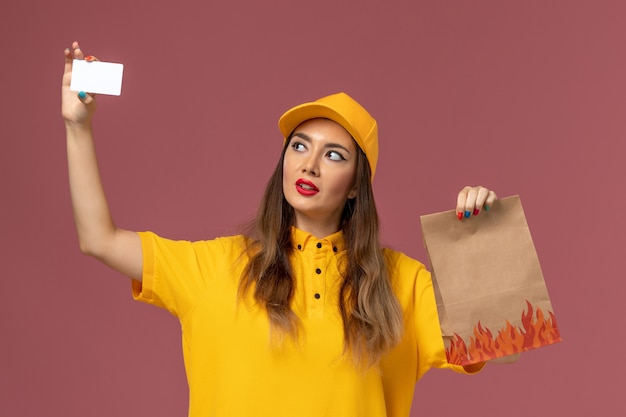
{"points": [[353, 192]]}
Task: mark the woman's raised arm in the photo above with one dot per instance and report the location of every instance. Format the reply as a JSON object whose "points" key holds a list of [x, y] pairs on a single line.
{"points": [[97, 234]]}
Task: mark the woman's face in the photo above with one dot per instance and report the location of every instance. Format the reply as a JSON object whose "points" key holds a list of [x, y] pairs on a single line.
{"points": [[319, 174]]}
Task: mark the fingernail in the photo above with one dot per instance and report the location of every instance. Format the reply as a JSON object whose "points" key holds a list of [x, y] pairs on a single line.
{"points": [[459, 215], [82, 95], [89, 58], [476, 211], [486, 207], [467, 214]]}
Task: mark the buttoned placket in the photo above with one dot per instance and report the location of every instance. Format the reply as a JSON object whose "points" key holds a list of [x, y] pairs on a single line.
{"points": [[320, 267], [318, 257], [316, 269]]}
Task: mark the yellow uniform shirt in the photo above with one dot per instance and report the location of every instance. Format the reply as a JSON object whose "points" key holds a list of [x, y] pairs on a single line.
{"points": [[233, 369]]}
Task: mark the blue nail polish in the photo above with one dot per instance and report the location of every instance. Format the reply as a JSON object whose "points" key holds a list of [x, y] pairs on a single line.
{"points": [[467, 214], [82, 95]]}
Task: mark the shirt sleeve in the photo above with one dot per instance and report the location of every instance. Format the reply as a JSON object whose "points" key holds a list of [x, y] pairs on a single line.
{"points": [[431, 349], [174, 277]]}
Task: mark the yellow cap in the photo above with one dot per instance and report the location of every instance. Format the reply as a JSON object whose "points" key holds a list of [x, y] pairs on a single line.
{"points": [[344, 110]]}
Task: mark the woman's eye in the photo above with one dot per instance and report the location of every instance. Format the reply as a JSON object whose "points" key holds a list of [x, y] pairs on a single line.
{"points": [[335, 156], [298, 146]]}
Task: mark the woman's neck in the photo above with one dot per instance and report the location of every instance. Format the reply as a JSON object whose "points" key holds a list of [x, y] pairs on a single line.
{"points": [[315, 227]]}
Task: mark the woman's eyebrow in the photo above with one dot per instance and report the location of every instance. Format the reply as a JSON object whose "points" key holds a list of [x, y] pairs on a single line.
{"points": [[302, 136], [330, 145]]}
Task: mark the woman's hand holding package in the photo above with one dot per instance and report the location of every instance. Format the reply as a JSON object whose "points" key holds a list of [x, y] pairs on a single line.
{"points": [[472, 200]]}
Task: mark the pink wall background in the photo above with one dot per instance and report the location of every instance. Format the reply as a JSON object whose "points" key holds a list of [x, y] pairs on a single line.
{"points": [[525, 97]]}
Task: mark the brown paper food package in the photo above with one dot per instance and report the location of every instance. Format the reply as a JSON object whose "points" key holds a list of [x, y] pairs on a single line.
{"points": [[491, 295]]}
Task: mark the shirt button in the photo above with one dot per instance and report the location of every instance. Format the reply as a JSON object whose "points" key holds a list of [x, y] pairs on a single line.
{"points": [[319, 245], [318, 271], [317, 296]]}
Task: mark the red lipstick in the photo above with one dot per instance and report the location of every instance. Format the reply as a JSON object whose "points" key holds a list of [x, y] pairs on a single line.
{"points": [[305, 187]]}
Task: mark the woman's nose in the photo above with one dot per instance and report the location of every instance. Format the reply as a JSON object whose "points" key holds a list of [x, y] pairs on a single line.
{"points": [[310, 166]]}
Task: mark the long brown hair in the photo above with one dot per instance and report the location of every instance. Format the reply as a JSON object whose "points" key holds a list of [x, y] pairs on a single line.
{"points": [[372, 318]]}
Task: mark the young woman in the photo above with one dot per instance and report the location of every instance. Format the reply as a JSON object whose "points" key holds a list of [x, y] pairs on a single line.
{"points": [[307, 315]]}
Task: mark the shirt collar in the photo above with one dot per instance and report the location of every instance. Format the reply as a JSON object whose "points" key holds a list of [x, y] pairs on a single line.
{"points": [[305, 241]]}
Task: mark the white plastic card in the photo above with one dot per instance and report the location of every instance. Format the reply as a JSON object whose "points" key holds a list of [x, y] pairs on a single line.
{"points": [[97, 77]]}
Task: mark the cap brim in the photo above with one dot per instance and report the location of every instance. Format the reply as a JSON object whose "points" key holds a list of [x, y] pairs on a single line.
{"points": [[294, 117]]}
